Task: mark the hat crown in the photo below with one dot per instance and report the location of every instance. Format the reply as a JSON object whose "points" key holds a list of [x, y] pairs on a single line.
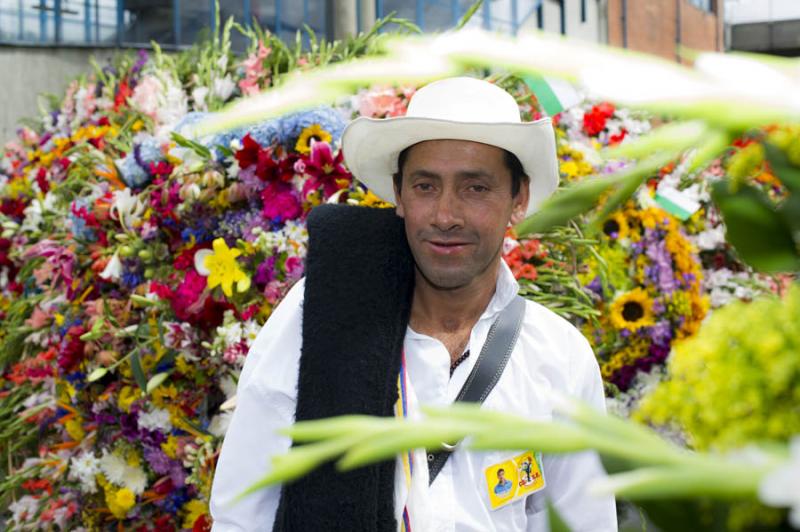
{"points": [[463, 99]]}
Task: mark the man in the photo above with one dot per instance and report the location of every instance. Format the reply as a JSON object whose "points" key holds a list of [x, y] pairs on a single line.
{"points": [[461, 166], [503, 485]]}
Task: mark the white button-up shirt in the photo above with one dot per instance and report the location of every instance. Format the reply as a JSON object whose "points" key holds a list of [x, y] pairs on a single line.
{"points": [[550, 356]]}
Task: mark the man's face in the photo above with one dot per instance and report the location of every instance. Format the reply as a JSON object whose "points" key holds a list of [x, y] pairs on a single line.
{"points": [[501, 475], [456, 201]]}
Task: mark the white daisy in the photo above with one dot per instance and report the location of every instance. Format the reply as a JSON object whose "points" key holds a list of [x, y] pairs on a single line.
{"points": [[156, 419]]}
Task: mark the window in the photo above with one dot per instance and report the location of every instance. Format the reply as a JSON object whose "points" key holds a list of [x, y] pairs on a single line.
{"points": [[705, 5], [137, 22]]}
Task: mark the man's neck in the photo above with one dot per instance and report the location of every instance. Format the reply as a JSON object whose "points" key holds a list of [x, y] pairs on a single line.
{"points": [[449, 315]]}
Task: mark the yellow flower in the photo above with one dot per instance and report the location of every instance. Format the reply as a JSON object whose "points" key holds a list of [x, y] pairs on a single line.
{"points": [[127, 395], [74, 428], [170, 447], [616, 226], [223, 269], [120, 501], [314, 132], [632, 310], [193, 509], [371, 200]]}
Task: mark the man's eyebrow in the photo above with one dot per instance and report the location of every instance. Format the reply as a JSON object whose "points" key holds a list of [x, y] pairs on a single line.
{"points": [[462, 174], [425, 174], [474, 174]]}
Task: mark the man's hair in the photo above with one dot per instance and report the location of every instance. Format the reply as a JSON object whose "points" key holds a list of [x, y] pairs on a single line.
{"points": [[501, 470], [512, 162]]}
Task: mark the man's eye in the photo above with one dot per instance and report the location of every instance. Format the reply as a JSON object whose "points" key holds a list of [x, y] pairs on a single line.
{"points": [[424, 187], [479, 188]]}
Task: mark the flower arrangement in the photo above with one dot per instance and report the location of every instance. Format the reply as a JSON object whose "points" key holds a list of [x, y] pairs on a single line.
{"points": [[646, 279], [136, 269]]}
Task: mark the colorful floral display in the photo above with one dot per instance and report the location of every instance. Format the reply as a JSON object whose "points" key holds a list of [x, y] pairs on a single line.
{"points": [[646, 278], [137, 267]]}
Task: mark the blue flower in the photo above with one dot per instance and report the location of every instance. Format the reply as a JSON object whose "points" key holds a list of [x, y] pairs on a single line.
{"points": [[132, 173], [327, 117]]}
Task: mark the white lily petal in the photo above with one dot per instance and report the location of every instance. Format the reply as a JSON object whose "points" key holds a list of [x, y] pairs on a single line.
{"points": [[199, 262], [113, 270]]}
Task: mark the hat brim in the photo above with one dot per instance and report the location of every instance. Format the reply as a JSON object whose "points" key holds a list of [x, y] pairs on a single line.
{"points": [[371, 148]]}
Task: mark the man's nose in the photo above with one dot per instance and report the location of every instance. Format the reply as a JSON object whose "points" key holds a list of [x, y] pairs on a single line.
{"points": [[449, 211]]}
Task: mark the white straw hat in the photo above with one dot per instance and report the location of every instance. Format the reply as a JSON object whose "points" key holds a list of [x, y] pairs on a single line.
{"points": [[458, 108]]}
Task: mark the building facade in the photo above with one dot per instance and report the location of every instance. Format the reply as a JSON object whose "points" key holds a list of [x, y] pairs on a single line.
{"points": [[664, 27], [764, 26]]}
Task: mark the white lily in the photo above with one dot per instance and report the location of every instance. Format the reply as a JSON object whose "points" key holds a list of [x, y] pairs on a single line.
{"points": [[113, 270], [199, 261], [127, 208], [223, 87]]}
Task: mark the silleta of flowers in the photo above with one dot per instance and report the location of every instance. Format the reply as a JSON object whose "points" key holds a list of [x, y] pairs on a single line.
{"points": [[136, 269]]}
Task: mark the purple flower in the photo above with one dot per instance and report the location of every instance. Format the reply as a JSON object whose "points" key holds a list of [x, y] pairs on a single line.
{"points": [[661, 332], [159, 462], [596, 286], [265, 272]]}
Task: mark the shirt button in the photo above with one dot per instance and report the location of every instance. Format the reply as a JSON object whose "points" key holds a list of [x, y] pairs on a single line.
{"points": [[431, 458]]}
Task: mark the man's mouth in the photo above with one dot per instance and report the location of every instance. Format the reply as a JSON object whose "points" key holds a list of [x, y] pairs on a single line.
{"points": [[447, 247]]}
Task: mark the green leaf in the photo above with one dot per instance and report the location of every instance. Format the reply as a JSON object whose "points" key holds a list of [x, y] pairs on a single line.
{"points": [[675, 137], [96, 331], [581, 197], [97, 374], [760, 234], [783, 168], [566, 204], [714, 144], [468, 15], [156, 381], [557, 523], [138, 371], [143, 301], [196, 147], [671, 515]]}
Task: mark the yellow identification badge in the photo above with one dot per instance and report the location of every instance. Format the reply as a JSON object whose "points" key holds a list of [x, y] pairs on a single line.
{"points": [[514, 479]]}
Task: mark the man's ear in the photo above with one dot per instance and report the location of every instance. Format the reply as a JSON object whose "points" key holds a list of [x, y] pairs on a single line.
{"points": [[398, 200], [521, 202]]}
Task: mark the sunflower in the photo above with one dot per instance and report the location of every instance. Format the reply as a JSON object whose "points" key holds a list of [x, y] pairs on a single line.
{"points": [[312, 133], [632, 310], [616, 226]]}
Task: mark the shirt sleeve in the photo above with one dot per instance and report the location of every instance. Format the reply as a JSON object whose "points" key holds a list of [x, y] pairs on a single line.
{"points": [[568, 475], [265, 402]]}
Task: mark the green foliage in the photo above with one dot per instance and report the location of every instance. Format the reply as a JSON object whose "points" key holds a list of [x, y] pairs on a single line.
{"points": [[757, 228], [746, 358]]}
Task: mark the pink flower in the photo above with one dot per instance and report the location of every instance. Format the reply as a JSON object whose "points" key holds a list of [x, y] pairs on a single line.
{"points": [[326, 171], [254, 70], [383, 101], [294, 268], [187, 294], [275, 290], [280, 202], [145, 95], [235, 353]]}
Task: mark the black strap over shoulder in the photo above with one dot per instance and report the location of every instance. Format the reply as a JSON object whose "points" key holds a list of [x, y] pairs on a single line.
{"points": [[488, 368]]}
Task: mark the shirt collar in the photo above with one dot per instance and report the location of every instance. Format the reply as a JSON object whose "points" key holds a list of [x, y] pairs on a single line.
{"points": [[506, 289]]}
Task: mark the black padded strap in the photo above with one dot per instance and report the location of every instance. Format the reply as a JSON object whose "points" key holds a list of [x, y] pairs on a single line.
{"points": [[488, 368]]}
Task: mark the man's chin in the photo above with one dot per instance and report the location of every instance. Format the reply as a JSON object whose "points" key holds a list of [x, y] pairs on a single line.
{"points": [[446, 279]]}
